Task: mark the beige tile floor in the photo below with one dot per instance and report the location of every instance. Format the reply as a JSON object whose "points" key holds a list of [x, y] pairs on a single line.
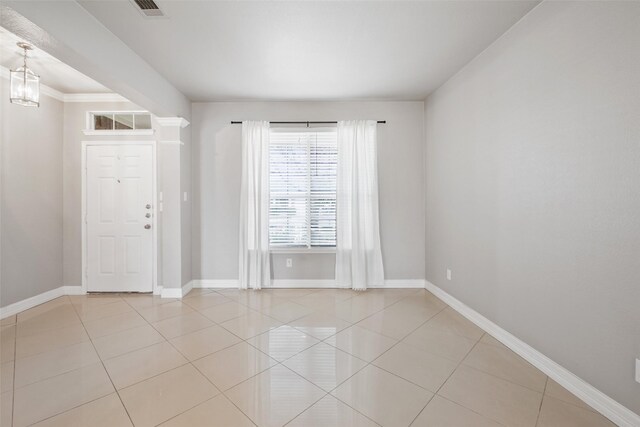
{"points": [[295, 357]]}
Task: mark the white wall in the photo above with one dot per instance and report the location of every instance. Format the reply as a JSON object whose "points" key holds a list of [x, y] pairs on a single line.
{"points": [[31, 198], [533, 188], [216, 179]]}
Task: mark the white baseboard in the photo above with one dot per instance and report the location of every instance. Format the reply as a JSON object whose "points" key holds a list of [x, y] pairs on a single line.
{"points": [[307, 283], [215, 283], [186, 288], [28, 303], [401, 284], [599, 401], [73, 290], [171, 293]]}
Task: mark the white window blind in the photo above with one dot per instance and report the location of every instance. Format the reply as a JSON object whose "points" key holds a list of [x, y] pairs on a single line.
{"points": [[302, 174]]}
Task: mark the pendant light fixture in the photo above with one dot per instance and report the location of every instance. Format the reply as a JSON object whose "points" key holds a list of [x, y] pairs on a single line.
{"points": [[25, 84]]}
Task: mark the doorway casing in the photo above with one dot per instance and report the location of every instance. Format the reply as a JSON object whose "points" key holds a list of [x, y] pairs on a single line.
{"points": [[154, 217]]}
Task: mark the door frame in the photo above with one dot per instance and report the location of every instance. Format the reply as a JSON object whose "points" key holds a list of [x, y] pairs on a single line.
{"points": [[154, 216]]}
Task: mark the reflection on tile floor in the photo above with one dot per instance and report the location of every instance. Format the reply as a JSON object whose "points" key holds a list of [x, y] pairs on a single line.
{"points": [[296, 357]]}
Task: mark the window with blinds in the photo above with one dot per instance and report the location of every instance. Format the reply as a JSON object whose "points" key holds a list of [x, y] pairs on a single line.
{"points": [[302, 174]]}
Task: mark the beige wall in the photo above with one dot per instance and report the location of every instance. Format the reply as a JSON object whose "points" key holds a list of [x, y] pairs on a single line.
{"points": [[216, 179], [31, 196], [533, 188]]}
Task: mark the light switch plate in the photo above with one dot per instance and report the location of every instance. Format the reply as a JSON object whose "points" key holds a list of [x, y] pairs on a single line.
{"points": [[448, 274], [638, 370]]}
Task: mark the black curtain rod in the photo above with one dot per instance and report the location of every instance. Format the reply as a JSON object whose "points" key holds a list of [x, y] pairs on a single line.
{"points": [[303, 123]]}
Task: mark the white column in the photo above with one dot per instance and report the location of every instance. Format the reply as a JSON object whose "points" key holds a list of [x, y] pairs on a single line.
{"points": [[169, 205]]}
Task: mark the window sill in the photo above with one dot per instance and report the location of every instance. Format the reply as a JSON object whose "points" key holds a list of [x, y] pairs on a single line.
{"points": [[303, 250], [118, 132]]}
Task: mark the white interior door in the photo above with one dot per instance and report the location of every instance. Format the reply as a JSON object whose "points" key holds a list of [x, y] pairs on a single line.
{"points": [[119, 229]]}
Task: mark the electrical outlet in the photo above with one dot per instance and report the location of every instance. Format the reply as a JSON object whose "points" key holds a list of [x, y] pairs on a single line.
{"points": [[448, 274], [289, 263], [638, 370]]}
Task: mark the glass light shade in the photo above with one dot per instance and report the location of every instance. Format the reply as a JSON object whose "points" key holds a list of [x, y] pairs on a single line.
{"points": [[25, 87]]}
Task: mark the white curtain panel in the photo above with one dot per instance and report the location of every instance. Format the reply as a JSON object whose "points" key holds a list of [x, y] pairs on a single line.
{"points": [[255, 270], [358, 254]]}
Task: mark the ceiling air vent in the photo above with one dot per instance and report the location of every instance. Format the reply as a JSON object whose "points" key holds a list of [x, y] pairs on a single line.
{"points": [[149, 8]]}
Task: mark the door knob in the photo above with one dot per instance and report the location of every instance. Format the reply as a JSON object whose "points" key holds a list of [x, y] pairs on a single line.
{"points": [[147, 226]]}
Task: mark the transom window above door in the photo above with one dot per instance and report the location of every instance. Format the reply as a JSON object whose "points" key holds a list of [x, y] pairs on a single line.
{"points": [[302, 181], [118, 123]]}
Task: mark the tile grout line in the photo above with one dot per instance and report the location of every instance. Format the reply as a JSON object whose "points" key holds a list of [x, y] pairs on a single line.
{"points": [[391, 373], [15, 350], [126, 330], [503, 379], [506, 379], [208, 400], [77, 406], [352, 355], [459, 364], [282, 363], [544, 392], [371, 363], [304, 379], [472, 410], [500, 378], [452, 373], [190, 362], [110, 316], [406, 335], [329, 393], [150, 324], [223, 392], [105, 368], [198, 311]]}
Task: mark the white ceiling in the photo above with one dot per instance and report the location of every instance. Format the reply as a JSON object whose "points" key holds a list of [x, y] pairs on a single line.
{"points": [[309, 50], [53, 73]]}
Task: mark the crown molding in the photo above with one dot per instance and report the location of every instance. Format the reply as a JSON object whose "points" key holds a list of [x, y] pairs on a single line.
{"points": [[72, 97], [172, 121], [51, 92]]}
